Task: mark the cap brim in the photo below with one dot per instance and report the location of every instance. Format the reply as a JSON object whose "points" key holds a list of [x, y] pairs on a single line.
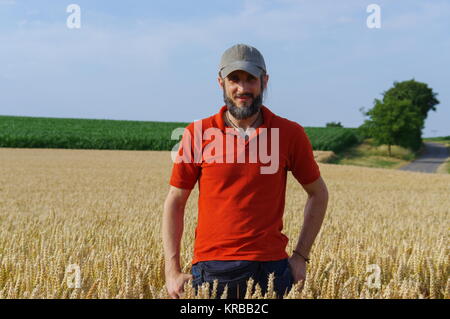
{"points": [[243, 66]]}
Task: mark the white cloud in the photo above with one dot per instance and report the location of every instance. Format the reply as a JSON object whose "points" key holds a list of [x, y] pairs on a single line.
{"points": [[152, 42], [112, 65]]}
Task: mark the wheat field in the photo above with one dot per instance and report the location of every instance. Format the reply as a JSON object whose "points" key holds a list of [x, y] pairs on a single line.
{"points": [[385, 234]]}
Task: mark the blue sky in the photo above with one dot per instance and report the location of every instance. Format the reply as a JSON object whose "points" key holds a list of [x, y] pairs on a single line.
{"points": [[158, 60]]}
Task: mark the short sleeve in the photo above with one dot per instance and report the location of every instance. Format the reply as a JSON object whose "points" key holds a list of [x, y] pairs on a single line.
{"points": [[185, 172], [301, 158]]}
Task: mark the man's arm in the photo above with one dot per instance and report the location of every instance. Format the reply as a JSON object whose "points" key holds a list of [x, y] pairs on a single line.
{"points": [[314, 214], [172, 231], [315, 209]]}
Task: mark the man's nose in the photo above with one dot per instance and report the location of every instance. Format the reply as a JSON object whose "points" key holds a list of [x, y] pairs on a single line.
{"points": [[243, 87]]}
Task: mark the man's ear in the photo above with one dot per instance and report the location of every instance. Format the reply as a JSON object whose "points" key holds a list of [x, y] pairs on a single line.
{"points": [[266, 79], [220, 81]]}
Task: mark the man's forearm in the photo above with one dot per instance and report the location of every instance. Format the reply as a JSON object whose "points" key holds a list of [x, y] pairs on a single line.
{"points": [[172, 231], [314, 214]]}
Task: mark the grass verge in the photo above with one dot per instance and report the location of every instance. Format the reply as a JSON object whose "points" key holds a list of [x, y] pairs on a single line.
{"points": [[443, 140], [368, 155], [444, 168]]}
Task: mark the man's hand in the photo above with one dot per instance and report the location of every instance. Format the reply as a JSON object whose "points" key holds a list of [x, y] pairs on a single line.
{"points": [[175, 284], [298, 268]]}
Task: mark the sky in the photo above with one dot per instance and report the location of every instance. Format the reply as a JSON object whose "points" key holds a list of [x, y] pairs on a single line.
{"points": [[158, 60]]}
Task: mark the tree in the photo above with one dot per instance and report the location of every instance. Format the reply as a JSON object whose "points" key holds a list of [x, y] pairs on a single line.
{"points": [[400, 117], [394, 122], [420, 95], [334, 124]]}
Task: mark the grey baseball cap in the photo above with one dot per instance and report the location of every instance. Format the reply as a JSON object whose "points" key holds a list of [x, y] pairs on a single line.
{"points": [[242, 57]]}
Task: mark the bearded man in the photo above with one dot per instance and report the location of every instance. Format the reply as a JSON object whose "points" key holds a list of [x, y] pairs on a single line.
{"points": [[240, 206]]}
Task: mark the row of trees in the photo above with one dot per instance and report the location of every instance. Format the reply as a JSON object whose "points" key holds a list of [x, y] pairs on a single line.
{"points": [[399, 117]]}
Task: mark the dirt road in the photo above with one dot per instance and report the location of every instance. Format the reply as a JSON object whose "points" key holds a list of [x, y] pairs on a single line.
{"points": [[433, 156]]}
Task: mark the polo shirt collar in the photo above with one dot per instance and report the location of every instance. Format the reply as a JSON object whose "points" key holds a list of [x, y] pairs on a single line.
{"points": [[220, 123]]}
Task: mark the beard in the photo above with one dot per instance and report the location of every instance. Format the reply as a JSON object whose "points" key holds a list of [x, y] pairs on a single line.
{"points": [[244, 112]]}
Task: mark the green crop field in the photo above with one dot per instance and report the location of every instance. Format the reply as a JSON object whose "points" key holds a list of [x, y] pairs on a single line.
{"points": [[40, 132], [332, 138]]}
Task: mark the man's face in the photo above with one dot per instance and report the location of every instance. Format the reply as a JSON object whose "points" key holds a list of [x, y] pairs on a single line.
{"points": [[242, 93]]}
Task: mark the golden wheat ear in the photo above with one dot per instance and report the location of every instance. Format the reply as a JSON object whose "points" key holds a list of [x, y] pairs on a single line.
{"points": [[248, 292], [225, 293]]}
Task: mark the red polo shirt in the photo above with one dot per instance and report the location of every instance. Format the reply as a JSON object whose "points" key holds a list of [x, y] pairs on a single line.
{"points": [[240, 209]]}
